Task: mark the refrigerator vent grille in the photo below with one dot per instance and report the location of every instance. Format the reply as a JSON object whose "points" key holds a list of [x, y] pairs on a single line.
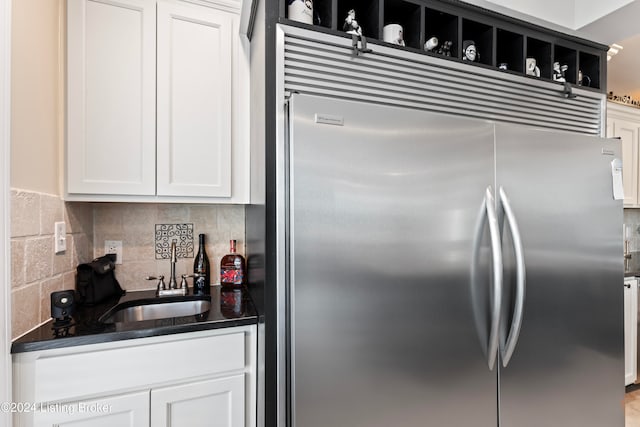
{"points": [[322, 64]]}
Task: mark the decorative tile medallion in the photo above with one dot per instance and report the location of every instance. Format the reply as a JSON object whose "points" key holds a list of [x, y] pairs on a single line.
{"points": [[181, 233]]}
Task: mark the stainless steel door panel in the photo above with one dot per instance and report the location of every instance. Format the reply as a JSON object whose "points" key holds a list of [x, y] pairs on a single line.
{"points": [[383, 205], [567, 367]]}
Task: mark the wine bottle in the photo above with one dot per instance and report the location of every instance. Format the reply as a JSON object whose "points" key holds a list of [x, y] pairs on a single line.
{"points": [[201, 270], [232, 268]]}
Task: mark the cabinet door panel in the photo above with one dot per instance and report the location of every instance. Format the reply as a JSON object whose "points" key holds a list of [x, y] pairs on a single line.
{"points": [[628, 134], [194, 101], [111, 97], [129, 410], [213, 403]]}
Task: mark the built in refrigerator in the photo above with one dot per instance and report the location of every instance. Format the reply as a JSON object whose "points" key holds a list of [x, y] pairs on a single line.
{"points": [[444, 271]]}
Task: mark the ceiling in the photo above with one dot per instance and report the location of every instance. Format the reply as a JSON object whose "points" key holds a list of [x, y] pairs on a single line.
{"points": [[623, 70], [613, 21], [620, 27]]}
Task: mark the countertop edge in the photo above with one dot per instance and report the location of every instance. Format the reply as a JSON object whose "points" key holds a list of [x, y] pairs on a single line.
{"points": [[24, 347]]}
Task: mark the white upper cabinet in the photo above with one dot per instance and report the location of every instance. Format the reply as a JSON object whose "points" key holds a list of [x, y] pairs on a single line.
{"points": [[194, 120], [111, 83], [624, 122], [158, 102]]}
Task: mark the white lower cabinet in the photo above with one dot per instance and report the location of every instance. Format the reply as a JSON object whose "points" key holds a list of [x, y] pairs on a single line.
{"points": [[193, 379], [212, 403], [126, 410]]}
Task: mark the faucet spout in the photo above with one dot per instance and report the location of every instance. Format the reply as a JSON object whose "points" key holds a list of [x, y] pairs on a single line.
{"points": [[173, 284], [172, 288]]}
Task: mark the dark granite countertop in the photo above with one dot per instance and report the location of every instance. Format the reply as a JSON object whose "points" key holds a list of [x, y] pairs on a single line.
{"points": [[632, 265], [228, 308]]}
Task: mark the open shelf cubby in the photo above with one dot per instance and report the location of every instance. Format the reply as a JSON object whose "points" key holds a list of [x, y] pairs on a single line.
{"points": [[482, 35], [510, 50], [323, 14], [367, 15], [589, 65], [499, 39], [444, 27], [541, 52], [568, 57], [408, 15]]}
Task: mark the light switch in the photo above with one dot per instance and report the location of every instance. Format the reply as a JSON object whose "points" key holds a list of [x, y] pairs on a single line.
{"points": [[60, 236]]}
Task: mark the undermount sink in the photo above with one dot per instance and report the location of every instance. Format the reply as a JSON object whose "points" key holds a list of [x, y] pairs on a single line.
{"points": [[156, 308]]}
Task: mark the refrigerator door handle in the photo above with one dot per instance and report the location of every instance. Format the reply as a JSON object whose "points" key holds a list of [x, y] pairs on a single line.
{"points": [[496, 297], [516, 324]]}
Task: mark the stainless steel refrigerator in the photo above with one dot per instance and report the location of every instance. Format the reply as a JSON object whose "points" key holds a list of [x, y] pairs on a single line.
{"points": [[444, 271]]}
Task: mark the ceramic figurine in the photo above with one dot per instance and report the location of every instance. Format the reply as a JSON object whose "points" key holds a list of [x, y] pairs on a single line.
{"points": [[558, 72], [300, 10], [351, 26], [393, 33], [532, 68], [469, 51], [431, 44], [583, 79], [445, 48]]}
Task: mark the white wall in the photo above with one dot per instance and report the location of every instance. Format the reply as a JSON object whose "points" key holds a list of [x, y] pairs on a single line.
{"points": [[37, 104], [5, 279], [37, 132]]}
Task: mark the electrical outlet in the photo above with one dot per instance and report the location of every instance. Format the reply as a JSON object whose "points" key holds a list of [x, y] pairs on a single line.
{"points": [[114, 247], [60, 236]]}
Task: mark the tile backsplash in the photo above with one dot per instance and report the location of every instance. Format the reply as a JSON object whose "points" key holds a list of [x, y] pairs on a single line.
{"points": [[137, 225], [166, 234], [36, 271]]}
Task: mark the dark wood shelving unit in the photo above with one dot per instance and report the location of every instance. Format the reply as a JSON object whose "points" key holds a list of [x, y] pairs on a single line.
{"points": [[498, 38]]}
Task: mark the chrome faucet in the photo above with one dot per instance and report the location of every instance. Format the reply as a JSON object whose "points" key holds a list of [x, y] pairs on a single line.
{"points": [[174, 258], [172, 288]]}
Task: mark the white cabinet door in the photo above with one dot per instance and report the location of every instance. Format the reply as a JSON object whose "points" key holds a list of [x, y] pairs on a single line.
{"points": [[628, 133], [111, 97], [127, 410], [630, 330], [212, 403], [194, 100]]}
